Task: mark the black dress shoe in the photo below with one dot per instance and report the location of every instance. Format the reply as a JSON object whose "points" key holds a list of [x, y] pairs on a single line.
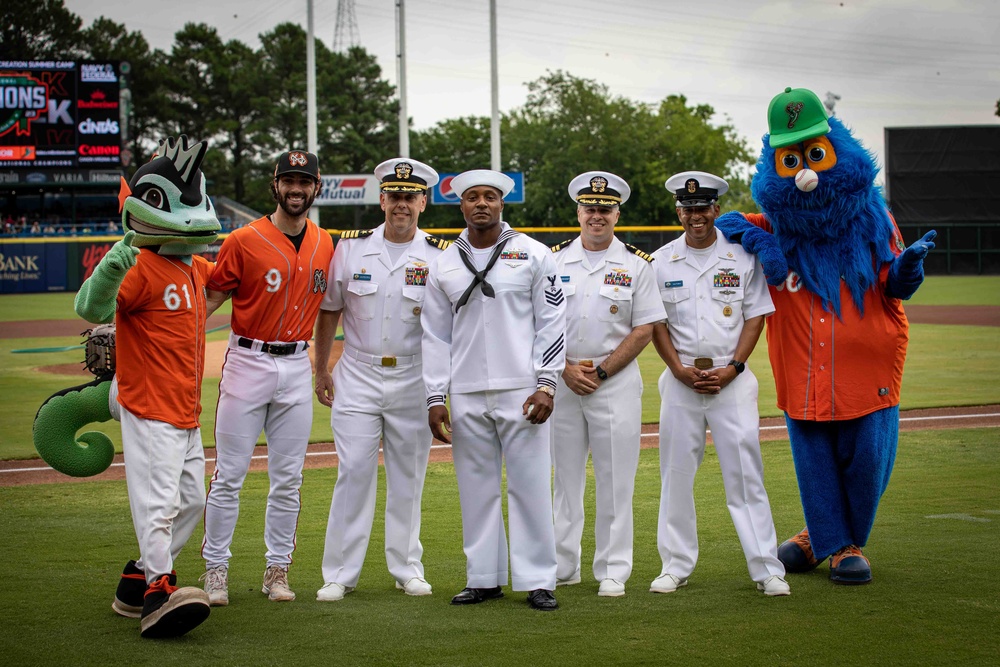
{"points": [[477, 595], [542, 600]]}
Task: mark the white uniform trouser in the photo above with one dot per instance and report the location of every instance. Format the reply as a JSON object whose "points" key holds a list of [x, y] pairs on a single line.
{"points": [[733, 418], [165, 475], [608, 425], [372, 403], [259, 392], [486, 426]]}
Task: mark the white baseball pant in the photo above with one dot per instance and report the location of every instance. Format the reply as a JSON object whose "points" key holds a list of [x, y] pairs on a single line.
{"points": [[165, 476], [259, 392]]}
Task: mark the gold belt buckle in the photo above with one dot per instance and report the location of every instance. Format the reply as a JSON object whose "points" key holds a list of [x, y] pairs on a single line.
{"points": [[703, 363], [586, 362], [388, 361]]}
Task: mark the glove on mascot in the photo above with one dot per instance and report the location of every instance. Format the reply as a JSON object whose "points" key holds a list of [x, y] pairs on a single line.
{"points": [[838, 271], [152, 285]]}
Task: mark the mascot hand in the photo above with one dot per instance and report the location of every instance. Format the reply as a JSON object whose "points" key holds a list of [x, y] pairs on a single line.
{"points": [[121, 257], [916, 252], [95, 302], [907, 271], [764, 244]]}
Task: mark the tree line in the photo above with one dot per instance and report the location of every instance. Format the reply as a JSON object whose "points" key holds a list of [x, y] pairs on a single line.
{"points": [[250, 105]]}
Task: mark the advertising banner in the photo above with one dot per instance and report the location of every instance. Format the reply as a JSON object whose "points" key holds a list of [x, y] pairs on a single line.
{"points": [[348, 190], [59, 114]]}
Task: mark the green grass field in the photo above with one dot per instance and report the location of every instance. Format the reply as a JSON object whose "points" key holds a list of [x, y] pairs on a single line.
{"points": [[934, 600]]}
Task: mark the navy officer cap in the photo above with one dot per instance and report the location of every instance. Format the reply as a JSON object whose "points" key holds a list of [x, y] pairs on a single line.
{"points": [[696, 188]]}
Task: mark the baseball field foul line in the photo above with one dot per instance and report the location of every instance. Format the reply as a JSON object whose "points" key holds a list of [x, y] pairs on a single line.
{"points": [[333, 452]]}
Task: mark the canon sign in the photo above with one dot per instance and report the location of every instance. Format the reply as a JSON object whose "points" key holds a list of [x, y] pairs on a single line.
{"points": [[90, 126], [93, 151]]}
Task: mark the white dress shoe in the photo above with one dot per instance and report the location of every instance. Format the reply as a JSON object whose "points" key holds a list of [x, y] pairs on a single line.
{"points": [[572, 581], [332, 592], [415, 586], [774, 586], [666, 583], [611, 588]]}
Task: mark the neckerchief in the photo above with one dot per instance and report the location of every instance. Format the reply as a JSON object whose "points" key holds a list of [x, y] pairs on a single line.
{"points": [[479, 277]]}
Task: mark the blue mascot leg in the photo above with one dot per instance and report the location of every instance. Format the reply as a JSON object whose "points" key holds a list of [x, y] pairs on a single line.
{"points": [[827, 512], [866, 451]]}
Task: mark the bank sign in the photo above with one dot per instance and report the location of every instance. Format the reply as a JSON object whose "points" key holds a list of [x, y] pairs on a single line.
{"points": [[348, 190], [60, 114]]}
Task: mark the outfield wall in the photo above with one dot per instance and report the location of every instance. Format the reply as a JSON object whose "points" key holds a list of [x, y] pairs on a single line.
{"points": [[30, 265]]}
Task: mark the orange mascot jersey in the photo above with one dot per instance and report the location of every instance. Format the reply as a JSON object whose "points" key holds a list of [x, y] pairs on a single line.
{"points": [[160, 338], [828, 369], [277, 291]]}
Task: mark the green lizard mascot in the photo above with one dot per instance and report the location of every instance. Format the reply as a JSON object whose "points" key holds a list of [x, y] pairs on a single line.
{"points": [[152, 285]]}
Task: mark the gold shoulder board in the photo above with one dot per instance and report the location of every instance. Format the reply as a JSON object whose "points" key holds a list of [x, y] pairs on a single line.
{"points": [[356, 233], [438, 243], [638, 253], [560, 246]]}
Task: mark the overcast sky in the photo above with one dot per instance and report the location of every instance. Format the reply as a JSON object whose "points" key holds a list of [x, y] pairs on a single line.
{"points": [[894, 63]]}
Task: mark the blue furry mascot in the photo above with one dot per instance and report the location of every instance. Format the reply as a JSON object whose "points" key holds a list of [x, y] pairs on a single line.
{"points": [[838, 270]]}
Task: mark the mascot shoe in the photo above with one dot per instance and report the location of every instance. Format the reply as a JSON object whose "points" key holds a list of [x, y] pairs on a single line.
{"points": [[796, 553], [850, 567]]}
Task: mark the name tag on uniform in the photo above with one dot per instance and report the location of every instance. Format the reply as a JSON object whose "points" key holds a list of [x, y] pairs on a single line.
{"points": [[674, 283], [565, 279], [362, 276]]}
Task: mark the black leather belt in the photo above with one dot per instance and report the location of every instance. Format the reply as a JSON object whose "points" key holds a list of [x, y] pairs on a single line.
{"points": [[274, 349]]}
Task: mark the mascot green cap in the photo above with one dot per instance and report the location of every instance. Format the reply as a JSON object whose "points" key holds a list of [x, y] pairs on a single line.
{"points": [[796, 115]]}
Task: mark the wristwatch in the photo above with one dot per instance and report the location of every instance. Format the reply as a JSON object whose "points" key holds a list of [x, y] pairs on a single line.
{"points": [[546, 389], [738, 365], [601, 374]]}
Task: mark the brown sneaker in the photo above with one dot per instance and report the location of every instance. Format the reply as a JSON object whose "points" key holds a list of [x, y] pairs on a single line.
{"points": [[276, 584], [850, 567], [796, 553]]}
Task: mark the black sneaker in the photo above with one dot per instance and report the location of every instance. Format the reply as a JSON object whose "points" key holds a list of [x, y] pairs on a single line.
{"points": [[131, 589], [168, 611]]}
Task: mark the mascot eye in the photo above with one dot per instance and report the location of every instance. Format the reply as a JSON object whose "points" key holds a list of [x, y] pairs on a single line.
{"points": [[817, 153], [154, 197], [820, 153], [790, 161]]}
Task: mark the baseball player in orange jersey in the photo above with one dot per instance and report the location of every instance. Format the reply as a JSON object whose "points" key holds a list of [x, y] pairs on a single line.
{"points": [[156, 297], [275, 269]]}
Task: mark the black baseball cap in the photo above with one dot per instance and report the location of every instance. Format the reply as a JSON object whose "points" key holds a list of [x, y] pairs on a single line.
{"points": [[297, 162]]}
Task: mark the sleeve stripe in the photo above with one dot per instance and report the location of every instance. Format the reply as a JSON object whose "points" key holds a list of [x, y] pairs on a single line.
{"points": [[547, 382], [553, 351]]}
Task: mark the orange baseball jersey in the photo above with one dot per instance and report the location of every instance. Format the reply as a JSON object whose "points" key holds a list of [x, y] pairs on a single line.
{"points": [[160, 338], [826, 369], [276, 291]]}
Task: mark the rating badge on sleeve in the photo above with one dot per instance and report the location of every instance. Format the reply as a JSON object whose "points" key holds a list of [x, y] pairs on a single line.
{"points": [[553, 293]]}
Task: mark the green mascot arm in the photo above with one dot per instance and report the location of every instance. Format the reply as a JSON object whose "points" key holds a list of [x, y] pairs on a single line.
{"points": [[95, 302]]}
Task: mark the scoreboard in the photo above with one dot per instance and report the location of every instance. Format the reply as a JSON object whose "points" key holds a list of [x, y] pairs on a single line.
{"points": [[60, 114]]}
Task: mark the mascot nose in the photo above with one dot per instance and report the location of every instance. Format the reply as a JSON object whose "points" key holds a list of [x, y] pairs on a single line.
{"points": [[806, 180]]}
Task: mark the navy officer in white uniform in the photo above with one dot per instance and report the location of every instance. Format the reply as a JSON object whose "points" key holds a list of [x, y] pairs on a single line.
{"points": [[716, 300], [377, 282], [612, 303], [494, 324]]}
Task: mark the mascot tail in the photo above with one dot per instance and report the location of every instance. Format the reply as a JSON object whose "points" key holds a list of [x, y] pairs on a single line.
{"points": [[67, 411], [61, 416]]}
